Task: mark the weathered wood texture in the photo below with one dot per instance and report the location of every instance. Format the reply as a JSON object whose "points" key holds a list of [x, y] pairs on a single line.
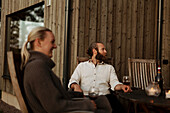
{"points": [[54, 18], [126, 27], [73, 33], [166, 43]]}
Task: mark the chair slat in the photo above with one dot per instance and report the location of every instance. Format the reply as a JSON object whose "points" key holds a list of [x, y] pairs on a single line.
{"points": [[130, 67], [135, 73], [143, 75], [138, 74], [141, 71], [146, 74]]}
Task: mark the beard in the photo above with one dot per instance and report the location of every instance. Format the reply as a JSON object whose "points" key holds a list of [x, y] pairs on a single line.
{"points": [[101, 58]]}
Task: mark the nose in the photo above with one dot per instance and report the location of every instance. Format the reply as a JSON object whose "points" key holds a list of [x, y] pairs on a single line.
{"points": [[54, 46], [105, 51]]}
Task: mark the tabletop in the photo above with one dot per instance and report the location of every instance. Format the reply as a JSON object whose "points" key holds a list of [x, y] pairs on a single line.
{"points": [[140, 96]]}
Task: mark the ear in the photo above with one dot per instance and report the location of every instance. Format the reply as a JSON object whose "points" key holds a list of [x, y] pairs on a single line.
{"points": [[37, 42], [94, 51]]}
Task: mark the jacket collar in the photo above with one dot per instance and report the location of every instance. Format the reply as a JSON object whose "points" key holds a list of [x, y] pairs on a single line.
{"points": [[38, 55]]}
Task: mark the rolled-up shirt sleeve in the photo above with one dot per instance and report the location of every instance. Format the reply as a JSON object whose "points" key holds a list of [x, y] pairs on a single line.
{"points": [[113, 78], [76, 76]]}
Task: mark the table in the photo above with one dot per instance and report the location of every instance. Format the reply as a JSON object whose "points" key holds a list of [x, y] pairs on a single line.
{"points": [[138, 96]]}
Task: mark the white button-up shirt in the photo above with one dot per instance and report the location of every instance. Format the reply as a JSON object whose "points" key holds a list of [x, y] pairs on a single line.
{"points": [[102, 76]]}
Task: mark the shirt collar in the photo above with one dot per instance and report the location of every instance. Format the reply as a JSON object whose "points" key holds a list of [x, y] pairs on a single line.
{"points": [[101, 63]]}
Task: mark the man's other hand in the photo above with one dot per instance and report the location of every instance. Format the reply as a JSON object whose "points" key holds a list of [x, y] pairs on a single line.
{"points": [[76, 87], [126, 88]]}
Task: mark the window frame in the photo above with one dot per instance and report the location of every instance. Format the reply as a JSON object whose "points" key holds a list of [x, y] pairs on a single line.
{"points": [[16, 52]]}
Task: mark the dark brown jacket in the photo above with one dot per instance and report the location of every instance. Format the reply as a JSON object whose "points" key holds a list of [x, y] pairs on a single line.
{"points": [[43, 88]]}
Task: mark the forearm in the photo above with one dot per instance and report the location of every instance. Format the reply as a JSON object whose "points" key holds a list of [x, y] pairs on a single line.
{"points": [[118, 87], [76, 87]]}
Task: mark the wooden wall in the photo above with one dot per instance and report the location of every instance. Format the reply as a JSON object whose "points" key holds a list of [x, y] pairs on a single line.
{"points": [[126, 27], [73, 34], [54, 18], [166, 42]]}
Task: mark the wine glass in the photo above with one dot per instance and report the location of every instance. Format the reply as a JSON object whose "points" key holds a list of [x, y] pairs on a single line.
{"points": [[93, 93], [126, 80]]}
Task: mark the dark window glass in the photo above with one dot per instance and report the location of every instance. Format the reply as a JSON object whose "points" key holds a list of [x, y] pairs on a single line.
{"points": [[19, 24]]}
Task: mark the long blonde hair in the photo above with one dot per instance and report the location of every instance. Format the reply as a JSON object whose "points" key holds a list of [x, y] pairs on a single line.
{"points": [[38, 32]]}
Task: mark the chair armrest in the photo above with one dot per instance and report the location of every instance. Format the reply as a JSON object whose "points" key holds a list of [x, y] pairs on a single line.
{"points": [[75, 94]]}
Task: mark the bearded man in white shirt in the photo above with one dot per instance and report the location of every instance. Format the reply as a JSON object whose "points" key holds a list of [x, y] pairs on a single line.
{"points": [[96, 73]]}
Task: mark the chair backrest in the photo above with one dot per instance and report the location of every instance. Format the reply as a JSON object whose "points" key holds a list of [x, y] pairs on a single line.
{"points": [[82, 59], [141, 72], [15, 83]]}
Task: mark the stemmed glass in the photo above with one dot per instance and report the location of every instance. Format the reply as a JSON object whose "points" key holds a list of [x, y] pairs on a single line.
{"points": [[93, 93], [126, 80]]}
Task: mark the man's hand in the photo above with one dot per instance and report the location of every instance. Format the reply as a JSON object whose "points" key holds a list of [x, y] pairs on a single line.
{"points": [[92, 101], [76, 87], [125, 88]]}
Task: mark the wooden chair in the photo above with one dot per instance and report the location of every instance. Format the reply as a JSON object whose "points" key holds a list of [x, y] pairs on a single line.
{"points": [[83, 59], [141, 72], [15, 82]]}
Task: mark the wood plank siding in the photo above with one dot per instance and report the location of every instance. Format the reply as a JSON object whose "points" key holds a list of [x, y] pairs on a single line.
{"points": [[126, 27], [54, 18], [166, 43]]}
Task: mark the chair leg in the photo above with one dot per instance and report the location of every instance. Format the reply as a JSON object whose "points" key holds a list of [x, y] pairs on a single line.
{"points": [[145, 108], [135, 107], [129, 106]]}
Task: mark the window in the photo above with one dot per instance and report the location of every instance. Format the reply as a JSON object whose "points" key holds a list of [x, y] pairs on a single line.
{"points": [[19, 24]]}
